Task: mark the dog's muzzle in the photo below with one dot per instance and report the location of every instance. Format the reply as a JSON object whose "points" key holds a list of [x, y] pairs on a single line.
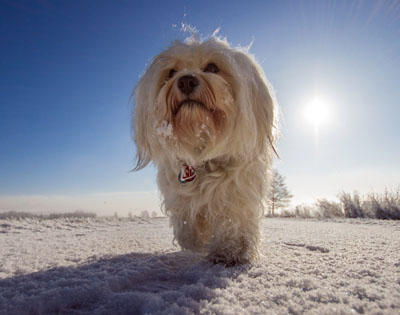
{"points": [[189, 103]]}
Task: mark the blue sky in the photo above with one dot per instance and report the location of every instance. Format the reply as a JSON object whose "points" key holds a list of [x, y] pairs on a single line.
{"points": [[67, 70]]}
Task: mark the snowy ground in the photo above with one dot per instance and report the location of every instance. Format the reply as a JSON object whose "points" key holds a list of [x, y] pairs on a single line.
{"points": [[106, 266]]}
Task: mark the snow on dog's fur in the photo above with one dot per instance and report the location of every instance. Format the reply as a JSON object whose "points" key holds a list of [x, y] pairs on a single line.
{"points": [[205, 111]]}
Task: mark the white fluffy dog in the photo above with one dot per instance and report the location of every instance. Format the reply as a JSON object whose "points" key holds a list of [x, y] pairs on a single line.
{"points": [[204, 115]]}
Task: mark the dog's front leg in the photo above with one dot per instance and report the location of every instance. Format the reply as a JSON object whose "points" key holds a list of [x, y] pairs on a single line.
{"points": [[234, 238], [190, 231]]}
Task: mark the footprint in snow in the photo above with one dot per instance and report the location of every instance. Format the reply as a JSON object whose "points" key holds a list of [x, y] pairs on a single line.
{"points": [[309, 247]]}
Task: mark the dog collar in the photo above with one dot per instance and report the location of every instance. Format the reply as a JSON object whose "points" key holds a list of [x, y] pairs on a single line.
{"points": [[187, 174]]}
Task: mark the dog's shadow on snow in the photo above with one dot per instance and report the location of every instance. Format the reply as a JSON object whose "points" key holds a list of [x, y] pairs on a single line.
{"points": [[135, 283]]}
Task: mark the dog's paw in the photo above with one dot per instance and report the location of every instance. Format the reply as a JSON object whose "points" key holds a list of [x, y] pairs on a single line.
{"points": [[228, 261], [231, 258], [233, 251]]}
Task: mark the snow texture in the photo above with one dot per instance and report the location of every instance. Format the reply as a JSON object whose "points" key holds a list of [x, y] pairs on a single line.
{"points": [[114, 266], [165, 129]]}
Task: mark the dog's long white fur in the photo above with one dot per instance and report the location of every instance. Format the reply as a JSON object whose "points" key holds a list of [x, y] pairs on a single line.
{"points": [[228, 143]]}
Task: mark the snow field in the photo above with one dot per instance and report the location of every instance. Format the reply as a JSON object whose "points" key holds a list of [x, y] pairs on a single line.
{"points": [[111, 266]]}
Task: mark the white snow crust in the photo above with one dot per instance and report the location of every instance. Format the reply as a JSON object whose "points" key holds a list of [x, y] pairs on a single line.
{"points": [[114, 266], [164, 129]]}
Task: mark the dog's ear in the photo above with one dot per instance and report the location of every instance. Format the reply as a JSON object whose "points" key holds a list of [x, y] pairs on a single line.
{"points": [[141, 122], [257, 103], [140, 136]]}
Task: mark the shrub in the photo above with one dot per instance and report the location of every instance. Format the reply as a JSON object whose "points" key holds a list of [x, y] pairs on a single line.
{"points": [[329, 209], [351, 205], [304, 211], [145, 215], [287, 214], [385, 206]]}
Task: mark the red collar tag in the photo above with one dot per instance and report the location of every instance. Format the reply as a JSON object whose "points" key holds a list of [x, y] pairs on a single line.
{"points": [[187, 174]]}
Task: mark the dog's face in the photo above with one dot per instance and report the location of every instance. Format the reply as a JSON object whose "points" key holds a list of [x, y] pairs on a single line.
{"points": [[199, 101], [194, 95]]}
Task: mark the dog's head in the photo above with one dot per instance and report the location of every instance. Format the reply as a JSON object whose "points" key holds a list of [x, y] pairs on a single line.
{"points": [[202, 100]]}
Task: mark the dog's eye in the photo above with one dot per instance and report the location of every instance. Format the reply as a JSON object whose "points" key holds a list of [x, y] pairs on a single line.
{"points": [[171, 73], [211, 67]]}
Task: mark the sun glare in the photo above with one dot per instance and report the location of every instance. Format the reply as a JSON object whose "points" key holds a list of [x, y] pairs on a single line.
{"points": [[317, 112]]}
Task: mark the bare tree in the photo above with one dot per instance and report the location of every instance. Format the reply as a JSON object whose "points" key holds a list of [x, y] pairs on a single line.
{"points": [[279, 195]]}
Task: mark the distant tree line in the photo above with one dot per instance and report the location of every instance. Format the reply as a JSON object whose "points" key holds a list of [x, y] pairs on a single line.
{"points": [[27, 215], [384, 206]]}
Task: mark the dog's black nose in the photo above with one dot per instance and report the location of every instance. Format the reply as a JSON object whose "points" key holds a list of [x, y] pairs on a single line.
{"points": [[187, 84]]}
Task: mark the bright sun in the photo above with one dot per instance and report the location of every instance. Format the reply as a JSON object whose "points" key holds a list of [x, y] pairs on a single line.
{"points": [[317, 111]]}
